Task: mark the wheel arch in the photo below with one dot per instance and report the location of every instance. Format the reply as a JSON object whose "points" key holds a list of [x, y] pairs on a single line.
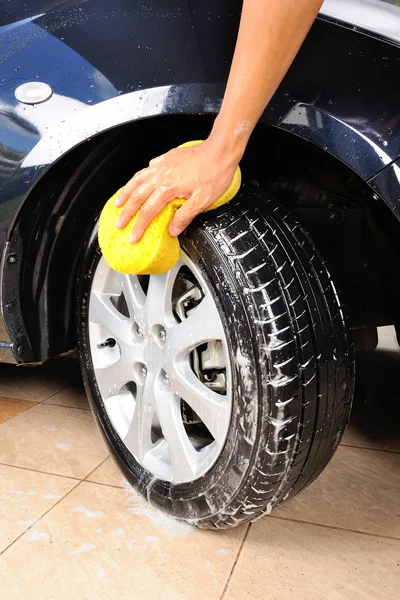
{"points": [[53, 221], [74, 165]]}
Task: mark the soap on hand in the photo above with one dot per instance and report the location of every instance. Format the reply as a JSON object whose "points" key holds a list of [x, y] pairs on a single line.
{"points": [[157, 251]]}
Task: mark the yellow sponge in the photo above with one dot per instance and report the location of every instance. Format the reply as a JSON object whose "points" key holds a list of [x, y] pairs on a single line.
{"points": [[157, 251]]}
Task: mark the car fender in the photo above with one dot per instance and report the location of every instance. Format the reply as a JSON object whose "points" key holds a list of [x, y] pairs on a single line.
{"points": [[338, 94], [152, 60]]}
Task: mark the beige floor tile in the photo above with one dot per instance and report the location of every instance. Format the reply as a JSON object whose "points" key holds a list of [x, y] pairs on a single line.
{"points": [[375, 418], [73, 397], [354, 436], [37, 383], [54, 439], [107, 543], [387, 330], [9, 407], [24, 497], [388, 342], [387, 338], [358, 490], [108, 473], [282, 560]]}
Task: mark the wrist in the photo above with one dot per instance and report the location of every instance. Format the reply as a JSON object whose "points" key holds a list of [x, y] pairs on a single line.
{"points": [[229, 139]]}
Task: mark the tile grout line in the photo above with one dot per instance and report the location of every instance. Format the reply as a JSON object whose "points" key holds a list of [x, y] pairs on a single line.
{"points": [[335, 528], [224, 591], [51, 396], [35, 401], [117, 487], [368, 448], [78, 482], [55, 394], [45, 403], [43, 472], [86, 480], [19, 399], [93, 470], [98, 467], [111, 485], [39, 518], [40, 403], [20, 413]]}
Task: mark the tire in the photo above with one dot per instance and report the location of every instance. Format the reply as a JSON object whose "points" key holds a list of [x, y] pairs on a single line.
{"points": [[291, 364]]}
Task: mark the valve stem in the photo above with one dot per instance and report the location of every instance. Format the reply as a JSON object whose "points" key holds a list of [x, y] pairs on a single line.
{"points": [[109, 343]]}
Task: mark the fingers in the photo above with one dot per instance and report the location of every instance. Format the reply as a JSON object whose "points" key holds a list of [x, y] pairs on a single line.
{"points": [[150, 209], [156, 161], [136, 199], [185, 215], [132, 184]]}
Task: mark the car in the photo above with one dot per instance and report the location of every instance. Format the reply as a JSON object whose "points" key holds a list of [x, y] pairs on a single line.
{"points": [[223, 387]]}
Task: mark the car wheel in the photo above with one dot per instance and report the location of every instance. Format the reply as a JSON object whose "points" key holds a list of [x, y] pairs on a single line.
{"points": [[224, 386]]}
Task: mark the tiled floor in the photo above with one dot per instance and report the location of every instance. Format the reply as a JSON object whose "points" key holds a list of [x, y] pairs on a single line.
{"points": [[70, 528]]}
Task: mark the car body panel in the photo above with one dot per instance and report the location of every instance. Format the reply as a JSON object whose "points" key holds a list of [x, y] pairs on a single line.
{"points": [[387, 186], [375, 16], [109, 64], [189, 43]]}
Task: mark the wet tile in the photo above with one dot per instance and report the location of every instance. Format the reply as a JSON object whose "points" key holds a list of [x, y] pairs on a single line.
{"points": [[358, 490], [108, 473], [282, 560], [37, 383], [24, 497], [53, 439], [107, 543], [9, 407], [73, 397]]}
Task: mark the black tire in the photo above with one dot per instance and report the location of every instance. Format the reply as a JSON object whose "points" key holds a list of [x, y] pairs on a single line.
{"points": [[292, 359]]}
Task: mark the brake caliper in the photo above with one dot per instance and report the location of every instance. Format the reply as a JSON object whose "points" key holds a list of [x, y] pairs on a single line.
{"points": [[208, 361]]}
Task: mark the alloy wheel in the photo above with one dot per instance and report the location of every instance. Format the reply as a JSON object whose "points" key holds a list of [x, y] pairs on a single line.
{"points": [[161, 363]]}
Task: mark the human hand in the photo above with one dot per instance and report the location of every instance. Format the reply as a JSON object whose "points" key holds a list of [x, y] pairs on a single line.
{"points": [[200, 174]]}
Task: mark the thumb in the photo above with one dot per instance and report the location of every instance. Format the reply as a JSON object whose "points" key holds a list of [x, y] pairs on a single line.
{"points": [[185, 215]]}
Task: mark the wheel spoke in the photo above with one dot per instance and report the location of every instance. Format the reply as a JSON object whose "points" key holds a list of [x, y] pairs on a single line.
{"points": [[212, 408], [158, 308], [111, 378], [183, 456], [134, 295], [202, 325], [138, 437], [105, 314]]}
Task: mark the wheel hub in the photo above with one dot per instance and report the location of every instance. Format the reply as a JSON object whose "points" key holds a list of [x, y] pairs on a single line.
{"points": [[153, 354]]}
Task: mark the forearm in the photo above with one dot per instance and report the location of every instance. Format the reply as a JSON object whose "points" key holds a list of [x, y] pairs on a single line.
{"points": [[270, 35]]}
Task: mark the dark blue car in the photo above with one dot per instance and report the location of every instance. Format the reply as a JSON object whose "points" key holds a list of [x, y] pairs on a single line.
{"points": [[224, 386]]}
